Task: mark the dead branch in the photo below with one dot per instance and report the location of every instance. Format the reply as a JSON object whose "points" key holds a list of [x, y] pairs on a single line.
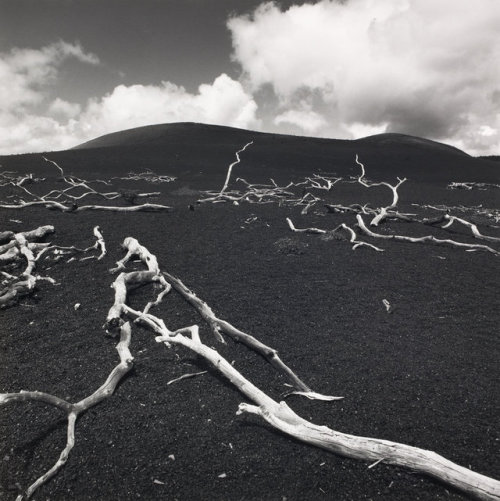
{"points": [[51, 204], [134, 248], [100, 244], [220, 195], [362, 180], [316, 182], [128, 281], [66, 199], [26, 282], [148, 176], [353, 238], [20, 247], [425, 239], [268, 353], [186, 376], [73, 411], [283, 418], [355, 208], [38, 233], [475, 232], [471, 185], [315, 231], [217, 325], [230, 168], [477, 211], [384, 211]]}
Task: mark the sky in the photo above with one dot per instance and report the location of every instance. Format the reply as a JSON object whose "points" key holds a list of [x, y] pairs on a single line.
{"points": [[73, 70]]}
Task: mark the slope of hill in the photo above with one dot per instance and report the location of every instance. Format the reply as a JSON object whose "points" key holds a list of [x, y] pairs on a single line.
{"points": [[188, 147], [153, 135], [403, 140]]}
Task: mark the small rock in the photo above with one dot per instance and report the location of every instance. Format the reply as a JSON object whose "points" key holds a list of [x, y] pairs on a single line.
{"points": [[77, 306]]}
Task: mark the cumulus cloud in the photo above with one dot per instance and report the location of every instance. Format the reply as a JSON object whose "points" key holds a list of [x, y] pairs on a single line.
{"points": [[307, 120], [415, 66], [64, 109], [223, 102], [25, 73], [27, 121], [30, 121]]}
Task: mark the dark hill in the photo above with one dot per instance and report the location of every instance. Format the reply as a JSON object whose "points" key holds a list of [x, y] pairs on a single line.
{"points": [[391, 138], [156, 135], [196, 150], [162, 134]]}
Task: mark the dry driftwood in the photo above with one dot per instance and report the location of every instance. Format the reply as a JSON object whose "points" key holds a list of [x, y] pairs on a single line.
{"points": [[270, 193], [221, 196], [148, 176], [73, 411], [76, 189], [222, 326], [353, 238], [425, 239], [470, 185], [475, 232], [217, 325], [280, 416], [19, 246], [51, 204]]}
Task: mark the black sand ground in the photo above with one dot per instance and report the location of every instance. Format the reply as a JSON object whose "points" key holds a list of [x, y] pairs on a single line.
{"points": [[425, 375]]}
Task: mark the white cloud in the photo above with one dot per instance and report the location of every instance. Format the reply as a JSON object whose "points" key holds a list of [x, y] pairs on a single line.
{"points": [[25, 76], [307, 120], [25, 73], [64, 109], [30, 122], [223, 102], [416, 66]]}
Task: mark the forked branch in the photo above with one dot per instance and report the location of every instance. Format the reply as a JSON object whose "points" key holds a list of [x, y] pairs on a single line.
{"points": [[73, 411]]}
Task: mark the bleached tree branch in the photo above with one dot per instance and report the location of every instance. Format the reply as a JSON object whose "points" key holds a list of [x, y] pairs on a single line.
{"points": [[475, 232], [73, 411], [425, 239]]}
